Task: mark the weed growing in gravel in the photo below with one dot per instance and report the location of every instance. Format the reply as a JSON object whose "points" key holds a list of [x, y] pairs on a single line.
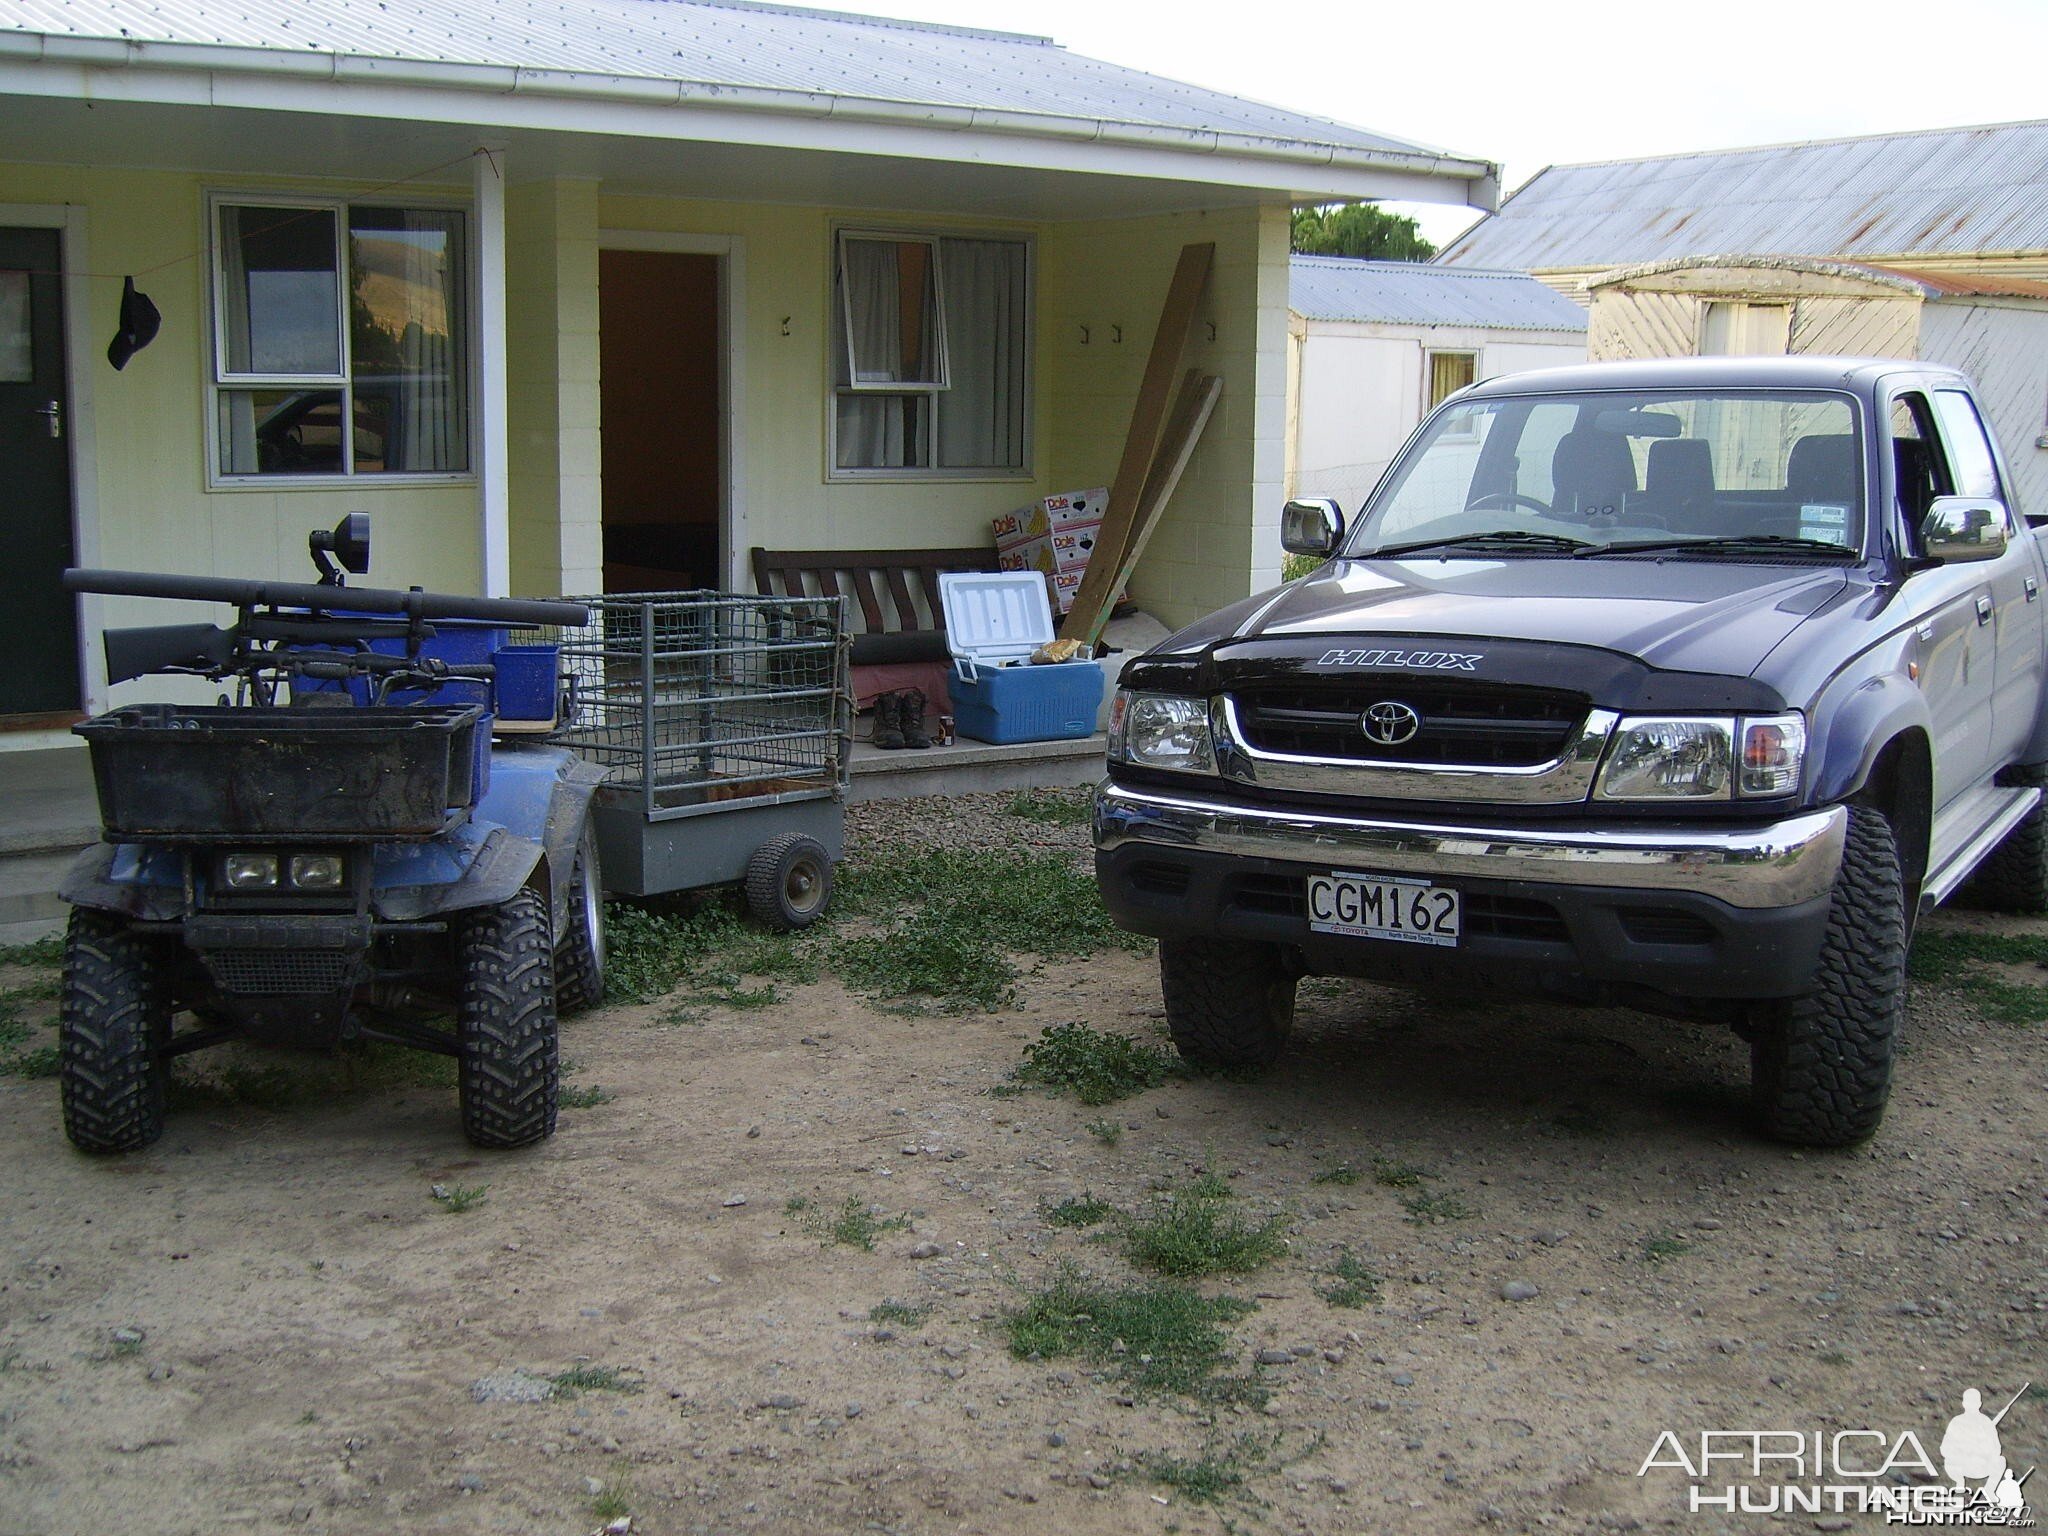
{"points": [[44, 989], [1193, 1234], [1343, 1175], [1352, 1283], [1663, 1247], [127, 1346], [1426, 1207], [649, 953], [593, 1378], [1084, 1211], [1949, 958], [46, 951], [1069, 810], [796, 1205], [946, 954], [1099, 1067], [1161, 1337], [1213, 1476], [899, 1314], [853, 1224], [41, 1062], [1832, 1357], [1390, 1174], [1105, 1130], [457, 1198], [585, 1098], [611, 1501]]}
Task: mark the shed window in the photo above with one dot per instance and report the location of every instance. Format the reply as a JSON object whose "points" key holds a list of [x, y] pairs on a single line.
{"points": [[341, 339], [931, 355], [1450, 372]]}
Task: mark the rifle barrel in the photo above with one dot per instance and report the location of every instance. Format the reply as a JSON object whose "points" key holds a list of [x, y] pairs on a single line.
{"points": [[323, 599]]}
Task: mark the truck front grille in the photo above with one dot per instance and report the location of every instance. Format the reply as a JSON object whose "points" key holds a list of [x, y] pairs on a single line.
{"points": [[1486, 725]]}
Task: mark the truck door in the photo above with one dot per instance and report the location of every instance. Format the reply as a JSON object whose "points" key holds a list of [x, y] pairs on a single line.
{"points": [[2015, 579], [1953, 610]]}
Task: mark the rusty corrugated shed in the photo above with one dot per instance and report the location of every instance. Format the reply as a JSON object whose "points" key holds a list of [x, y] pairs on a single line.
{"points": [[813, 54], [1951, 191], [1413, 293]]}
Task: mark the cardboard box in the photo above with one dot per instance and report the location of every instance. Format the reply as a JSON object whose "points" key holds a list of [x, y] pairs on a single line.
{"points": [[1050, 514], [1066, 549]]}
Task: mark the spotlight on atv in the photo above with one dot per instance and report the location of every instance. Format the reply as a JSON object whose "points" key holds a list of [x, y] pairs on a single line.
{"points": [[349, 542]]}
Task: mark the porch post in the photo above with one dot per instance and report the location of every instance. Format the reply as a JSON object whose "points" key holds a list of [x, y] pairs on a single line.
{"points": [[487, 171]]}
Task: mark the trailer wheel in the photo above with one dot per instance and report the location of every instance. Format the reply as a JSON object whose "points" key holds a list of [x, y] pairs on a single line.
{"points": [[1229, 1003], [789, 881], [1821, 1064], [579, 956], [114, 1020], [510, 1069]]}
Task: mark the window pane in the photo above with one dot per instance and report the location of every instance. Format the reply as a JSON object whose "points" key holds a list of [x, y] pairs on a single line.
{"points": [[17, 354], [1976, 470], [281, 432], [408, 335], [981, 413], [884, 431], [279, 290], [1449, 372], [890, 293]]}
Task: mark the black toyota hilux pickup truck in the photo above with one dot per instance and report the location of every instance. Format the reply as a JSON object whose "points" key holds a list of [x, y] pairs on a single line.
{"points": [[1682, 685]]}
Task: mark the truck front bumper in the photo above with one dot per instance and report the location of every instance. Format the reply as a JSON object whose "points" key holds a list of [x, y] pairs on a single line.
{"points": [[1692, 913]]}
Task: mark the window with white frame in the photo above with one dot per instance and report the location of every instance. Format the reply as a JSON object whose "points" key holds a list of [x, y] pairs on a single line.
{"points": [[931, 353], [341, 338]]}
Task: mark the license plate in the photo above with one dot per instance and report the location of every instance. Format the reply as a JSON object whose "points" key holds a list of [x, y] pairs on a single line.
{"points": [[1362, 906]]}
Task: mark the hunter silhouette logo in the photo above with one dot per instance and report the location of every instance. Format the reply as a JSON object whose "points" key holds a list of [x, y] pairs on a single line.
{"points": [[1868, 1471]]}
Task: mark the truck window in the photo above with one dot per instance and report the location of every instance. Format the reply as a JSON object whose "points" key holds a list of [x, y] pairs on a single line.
{"points": [[1919, 464], [1976, 471]]}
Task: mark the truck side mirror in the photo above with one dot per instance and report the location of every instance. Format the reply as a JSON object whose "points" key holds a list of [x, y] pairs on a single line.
{"points": [[1311, 527], [1962, 528]]}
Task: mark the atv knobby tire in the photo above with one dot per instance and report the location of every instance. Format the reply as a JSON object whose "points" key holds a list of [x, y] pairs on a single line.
{"points": [[113, 1023], [1229, 1003], [505, 1023], [579, 955], [1821, 1064], [2015, 876], [789, 881]]}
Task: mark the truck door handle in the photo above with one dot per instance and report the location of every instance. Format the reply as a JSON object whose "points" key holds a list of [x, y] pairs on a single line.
{"points": [[1983, 610], [2033, 589]]}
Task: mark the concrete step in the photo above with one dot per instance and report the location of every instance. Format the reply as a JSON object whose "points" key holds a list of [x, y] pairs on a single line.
{"points": [[28, 886], [968, 766]]}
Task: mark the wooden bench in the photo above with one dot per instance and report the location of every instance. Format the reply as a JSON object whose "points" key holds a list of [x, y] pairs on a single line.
{"points": [[894, 611]]}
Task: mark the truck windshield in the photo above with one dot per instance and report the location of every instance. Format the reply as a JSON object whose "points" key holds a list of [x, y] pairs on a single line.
{"points": [[1776, 475]]}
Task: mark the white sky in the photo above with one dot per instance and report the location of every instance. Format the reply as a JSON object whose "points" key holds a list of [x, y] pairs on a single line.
{"points": [[1532, 85]]}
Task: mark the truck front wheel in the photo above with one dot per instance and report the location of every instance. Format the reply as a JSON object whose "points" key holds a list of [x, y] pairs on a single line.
{"points": [[1229, 1003], [1821, 1064], [510, 1068]]}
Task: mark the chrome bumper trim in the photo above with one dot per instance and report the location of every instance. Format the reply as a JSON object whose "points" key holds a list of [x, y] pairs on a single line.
{"points": [[1779, 865]]}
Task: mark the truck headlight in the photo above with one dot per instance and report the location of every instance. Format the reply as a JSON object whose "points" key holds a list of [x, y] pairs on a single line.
{"points": [[249, 871], [1692, 757], [317, 871], [1161, 730]]}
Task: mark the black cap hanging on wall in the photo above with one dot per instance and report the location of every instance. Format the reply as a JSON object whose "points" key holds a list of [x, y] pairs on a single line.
{"points": [[140, 320]]}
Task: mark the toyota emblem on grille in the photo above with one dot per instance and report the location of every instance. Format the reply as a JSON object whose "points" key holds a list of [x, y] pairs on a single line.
{"points": [[1390, 723]]}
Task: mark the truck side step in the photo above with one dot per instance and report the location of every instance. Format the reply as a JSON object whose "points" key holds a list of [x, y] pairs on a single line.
{"points": [[1992, 812]]}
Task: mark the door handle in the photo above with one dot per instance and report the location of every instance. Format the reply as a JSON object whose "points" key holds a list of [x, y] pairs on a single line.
{"points": [[1983, 610], [2033, 589], [53, 417]]}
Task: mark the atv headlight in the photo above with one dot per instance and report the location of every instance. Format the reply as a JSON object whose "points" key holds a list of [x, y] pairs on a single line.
{"points": [[317, 871], [1669, 759], [249, 871], [1161, 730]]}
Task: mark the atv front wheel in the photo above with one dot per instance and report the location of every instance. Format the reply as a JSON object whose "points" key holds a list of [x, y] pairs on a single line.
{"points": [[1229, 1002], [505, 1024], [113, 1022], [579, 956]]}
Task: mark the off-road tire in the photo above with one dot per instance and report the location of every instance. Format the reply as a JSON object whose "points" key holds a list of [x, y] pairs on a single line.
{"points": [[510, 1067], [1229, 1003], [579, 954], [113, 1023], [1821, 1064], [789, 882], [2015, 877]]}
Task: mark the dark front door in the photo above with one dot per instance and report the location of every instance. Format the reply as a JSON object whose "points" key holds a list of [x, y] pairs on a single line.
{"points": [[35, 479]]}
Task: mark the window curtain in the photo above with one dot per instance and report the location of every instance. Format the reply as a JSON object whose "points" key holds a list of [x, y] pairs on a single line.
{"points": [[981, 418], [409, 338], [871, 427]]}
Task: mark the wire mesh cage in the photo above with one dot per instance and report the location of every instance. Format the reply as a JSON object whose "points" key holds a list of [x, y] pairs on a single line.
{"points": [[700, 699]]}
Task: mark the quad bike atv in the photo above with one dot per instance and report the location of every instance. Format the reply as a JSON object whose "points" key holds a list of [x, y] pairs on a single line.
{"points": [[338, 852]]}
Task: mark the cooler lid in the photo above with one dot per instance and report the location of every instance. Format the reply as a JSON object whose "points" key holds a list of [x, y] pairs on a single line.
{"points": [[995, 617]]}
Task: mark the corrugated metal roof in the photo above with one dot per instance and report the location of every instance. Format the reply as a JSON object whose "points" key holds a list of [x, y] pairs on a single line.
{"points": [[711, 44], [1411, 293], [1949, 191]]}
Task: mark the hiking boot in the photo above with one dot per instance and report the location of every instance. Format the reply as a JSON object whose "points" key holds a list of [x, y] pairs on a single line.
{"points": [[910, 718], [888, 731]]}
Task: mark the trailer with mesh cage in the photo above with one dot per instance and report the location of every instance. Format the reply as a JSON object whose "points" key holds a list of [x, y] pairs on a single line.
{"points": [[723, 722]]}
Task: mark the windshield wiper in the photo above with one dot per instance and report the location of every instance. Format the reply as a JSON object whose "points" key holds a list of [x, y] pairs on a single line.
{"points": [[1730, 544], [1499, 539]]}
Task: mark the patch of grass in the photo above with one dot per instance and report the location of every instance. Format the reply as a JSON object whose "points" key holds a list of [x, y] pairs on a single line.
{"points": [[1586, 1120], [854, 1225], [1390, 1174], [948, 954], [611, 1501], [1105, 1130], [585, 1098], [594, 1378], [1192, 1233], [41, 1062], [1213, 1476], [1082, 1211], [1071, 810], [1663, 1247], [44, 989], [457, 1198], [1159, 1337], [1951, 958], [1832, 1357], [1343, 1175], [1426, 1207], [1097, 1066], [46, 951], [796, 1205], [126, 1347], [650, 952], [899, 1314], [1352, 1283]]}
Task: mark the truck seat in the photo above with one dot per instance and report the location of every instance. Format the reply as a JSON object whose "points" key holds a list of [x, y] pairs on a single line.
{"points": [[1591, 473], [1678, 484]]}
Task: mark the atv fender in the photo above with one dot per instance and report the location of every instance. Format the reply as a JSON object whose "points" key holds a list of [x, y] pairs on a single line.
{"points": [[142, 884]]}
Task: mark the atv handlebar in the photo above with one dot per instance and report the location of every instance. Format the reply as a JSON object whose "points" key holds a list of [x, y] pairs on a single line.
{"points": [[326, 599]]}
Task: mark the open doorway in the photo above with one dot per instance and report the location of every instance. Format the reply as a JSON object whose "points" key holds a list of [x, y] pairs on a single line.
{"points": [[662, 420]]}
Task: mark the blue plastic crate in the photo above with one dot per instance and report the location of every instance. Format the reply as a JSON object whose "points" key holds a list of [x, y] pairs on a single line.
{"points": [[526, 680]]}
